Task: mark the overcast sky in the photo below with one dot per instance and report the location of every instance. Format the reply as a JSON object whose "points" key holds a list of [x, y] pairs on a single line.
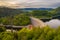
{"points": [[35, 3]]}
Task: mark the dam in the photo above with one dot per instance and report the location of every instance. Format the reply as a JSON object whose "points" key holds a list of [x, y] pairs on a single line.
{"points": [[37, 22]]}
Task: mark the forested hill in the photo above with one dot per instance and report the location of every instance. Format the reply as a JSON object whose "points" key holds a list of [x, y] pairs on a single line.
{"points": [[5, 11], [21, 18]]}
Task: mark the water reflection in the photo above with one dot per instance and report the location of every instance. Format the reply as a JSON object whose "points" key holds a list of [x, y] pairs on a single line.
{"points": [[53, 23]]}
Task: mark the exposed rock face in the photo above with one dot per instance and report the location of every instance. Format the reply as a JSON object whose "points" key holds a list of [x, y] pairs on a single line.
{"points": [[37, 22]]}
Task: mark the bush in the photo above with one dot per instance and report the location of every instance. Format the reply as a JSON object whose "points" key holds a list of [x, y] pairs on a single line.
{"points": [[2, 28]]}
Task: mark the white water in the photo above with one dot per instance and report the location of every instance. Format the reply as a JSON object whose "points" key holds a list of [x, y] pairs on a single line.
{"points": [[54, 23]]}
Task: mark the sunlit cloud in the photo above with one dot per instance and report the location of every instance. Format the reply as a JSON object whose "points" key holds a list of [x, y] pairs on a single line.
{"points": [[34, 3]]}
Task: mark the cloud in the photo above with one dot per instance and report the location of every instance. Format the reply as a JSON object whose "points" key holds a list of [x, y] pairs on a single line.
{"points": [[55, 5], [8, 4], [7, 0], [34, 3], [40, 3]]}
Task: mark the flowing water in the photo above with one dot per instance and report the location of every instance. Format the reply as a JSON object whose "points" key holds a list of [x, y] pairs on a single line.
{"points": [[54, 23]]}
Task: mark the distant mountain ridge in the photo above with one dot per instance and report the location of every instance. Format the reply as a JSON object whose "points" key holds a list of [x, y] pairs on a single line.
{"points": [[36, 8]]}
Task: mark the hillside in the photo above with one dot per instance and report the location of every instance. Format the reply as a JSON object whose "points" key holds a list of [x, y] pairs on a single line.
{"points": [[5, 11]]}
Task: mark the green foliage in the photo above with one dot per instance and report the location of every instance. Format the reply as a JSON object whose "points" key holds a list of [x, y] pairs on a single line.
{"points": [[2, 28], [37, 33], [45, 33], [21, 20], [18, 20], [6, 36]]}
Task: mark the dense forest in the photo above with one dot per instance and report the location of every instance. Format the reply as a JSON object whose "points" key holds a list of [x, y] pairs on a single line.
{"points": [[45, 33], [19, 17]]}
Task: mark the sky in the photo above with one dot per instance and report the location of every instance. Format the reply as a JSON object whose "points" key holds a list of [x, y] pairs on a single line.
{"points": [[32, 3]]}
